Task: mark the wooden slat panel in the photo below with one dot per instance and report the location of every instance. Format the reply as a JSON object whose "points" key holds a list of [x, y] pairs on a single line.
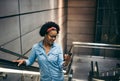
{"points": [[82, 3], [81, 22], [81, 17], [77, 11]]}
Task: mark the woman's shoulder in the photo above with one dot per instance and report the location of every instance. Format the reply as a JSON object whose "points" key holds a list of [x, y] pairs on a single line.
{"points": [[37, 45], [57, 45]]}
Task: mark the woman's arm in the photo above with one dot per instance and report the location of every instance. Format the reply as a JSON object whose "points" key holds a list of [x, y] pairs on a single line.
{"points": [[28, 61]]}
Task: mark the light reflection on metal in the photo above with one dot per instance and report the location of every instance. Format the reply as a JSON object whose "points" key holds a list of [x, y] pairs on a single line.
{"points": [[7, 70], [52, 13], [94, 79], [96, 45], [60, 21], [99, 44], [3, 75]]}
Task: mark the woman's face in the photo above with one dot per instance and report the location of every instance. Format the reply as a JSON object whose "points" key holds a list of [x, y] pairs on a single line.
{"points": [[51, 37]]}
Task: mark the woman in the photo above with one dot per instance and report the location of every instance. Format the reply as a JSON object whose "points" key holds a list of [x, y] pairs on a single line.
{"points": [[48, 53]]}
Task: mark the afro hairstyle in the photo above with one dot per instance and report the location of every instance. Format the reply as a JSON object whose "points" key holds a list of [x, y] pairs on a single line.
{"points": [[47, 25]]}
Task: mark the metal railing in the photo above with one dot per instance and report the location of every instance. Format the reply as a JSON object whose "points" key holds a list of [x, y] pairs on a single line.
{"points": [[94, 74], [8, 67], [109, 75], [97, 46], [68, 69]]}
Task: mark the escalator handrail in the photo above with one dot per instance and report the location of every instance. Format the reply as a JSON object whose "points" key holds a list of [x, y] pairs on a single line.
{"points": [[13, 65], [12, 53], [68, 67]]}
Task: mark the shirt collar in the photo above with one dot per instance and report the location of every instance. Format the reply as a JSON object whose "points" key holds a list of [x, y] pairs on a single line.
{"points": [[41, 44]]}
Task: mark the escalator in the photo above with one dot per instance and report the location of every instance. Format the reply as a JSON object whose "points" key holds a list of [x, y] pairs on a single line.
{"points": [[109, 75]]}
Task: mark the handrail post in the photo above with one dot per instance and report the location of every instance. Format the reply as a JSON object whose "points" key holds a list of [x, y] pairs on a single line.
{"points": [[70, 75], [91, 73]]}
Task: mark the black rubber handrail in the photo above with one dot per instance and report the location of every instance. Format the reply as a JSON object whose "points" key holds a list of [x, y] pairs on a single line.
{"points": [[12, 53], [68, 67], [13, 65]]}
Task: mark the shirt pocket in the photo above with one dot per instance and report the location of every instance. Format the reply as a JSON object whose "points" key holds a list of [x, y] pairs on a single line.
{"points": [[40, 55], [53, 57]]}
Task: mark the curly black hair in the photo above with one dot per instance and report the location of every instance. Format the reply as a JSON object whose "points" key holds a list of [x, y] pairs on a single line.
{"points": [[47, 25]]}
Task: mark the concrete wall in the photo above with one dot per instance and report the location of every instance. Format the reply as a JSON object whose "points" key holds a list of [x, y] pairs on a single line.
{"points": [[20, 21]]}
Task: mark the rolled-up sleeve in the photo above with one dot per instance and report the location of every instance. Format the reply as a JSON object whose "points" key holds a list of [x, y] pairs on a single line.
{"points": [[60, 60], [32, 57]]}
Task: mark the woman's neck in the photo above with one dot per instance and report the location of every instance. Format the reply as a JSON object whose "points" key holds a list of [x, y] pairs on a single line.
{"points": [[47, 47], [46, 44]]}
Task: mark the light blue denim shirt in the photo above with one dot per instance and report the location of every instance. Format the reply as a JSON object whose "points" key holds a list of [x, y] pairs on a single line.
{"points": [[50, 64]]}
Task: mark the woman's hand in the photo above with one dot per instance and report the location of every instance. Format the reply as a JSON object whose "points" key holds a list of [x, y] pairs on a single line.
{"points": [[19, 62], [67, 59]]}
